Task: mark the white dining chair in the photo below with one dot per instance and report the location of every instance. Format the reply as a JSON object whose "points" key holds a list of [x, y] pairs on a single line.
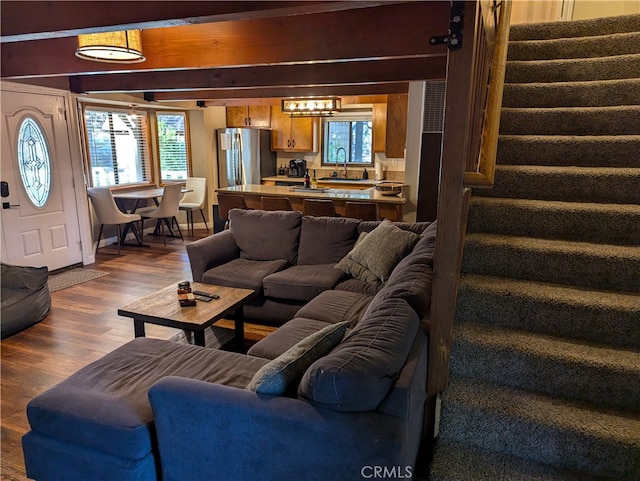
{"points": [[108, 213], [167, 210], [193, 199]]}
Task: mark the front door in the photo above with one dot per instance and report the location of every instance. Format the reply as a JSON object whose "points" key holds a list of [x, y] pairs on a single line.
{"points": [[39, 215]]}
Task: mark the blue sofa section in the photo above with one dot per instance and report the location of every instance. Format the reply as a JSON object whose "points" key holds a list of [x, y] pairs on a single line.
{"points": [[157, 410]]}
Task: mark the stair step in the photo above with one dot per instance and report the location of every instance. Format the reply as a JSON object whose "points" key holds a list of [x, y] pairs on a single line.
{"points": [[582, 264], [541, 429], [598, 93], [617, 120], [560, 150], [568, 369], [607, 185], [481, 465], [576, 47], [577, 313], [545, 360], [617, 224], [575, 28], [573, 70]]}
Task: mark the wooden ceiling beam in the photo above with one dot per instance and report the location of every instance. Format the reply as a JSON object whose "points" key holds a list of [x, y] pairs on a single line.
{"points": [[380, 32], [70, 18], [326, 74], [346, 100], [227, 96]]}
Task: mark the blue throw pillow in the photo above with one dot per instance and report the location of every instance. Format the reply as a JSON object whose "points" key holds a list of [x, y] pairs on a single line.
{"points": [[286, 370]]}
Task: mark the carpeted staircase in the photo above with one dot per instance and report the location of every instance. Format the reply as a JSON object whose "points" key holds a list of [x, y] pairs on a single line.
{"points": [[545, 366]]}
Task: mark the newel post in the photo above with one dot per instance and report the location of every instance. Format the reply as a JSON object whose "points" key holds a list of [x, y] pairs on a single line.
{"points": [[453, 200]]}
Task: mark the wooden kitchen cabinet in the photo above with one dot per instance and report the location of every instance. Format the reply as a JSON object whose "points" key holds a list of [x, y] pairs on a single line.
{"points": [[396, 135], [293, 134], [379, 120], [256, 116], [390, 126]]}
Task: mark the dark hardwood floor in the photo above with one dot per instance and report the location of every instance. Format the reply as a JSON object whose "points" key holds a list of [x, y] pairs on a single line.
{"points": [[83, 325]]}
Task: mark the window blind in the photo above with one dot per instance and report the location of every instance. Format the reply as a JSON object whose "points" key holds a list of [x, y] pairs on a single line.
{"points": [[117, 146], [172, 145]]}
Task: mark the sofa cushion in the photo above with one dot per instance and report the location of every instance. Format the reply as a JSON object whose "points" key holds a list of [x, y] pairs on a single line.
{"points": [[273, 311], [285, 337], [422, 252], [243, 273], [415, 227], [326, 240], [105, 407], [424, 249], [358, 374], [357, 286], [355, 269], [411, 283], [301, 283], [266, 235], [382, 249], [336, 306], [285, 371]]}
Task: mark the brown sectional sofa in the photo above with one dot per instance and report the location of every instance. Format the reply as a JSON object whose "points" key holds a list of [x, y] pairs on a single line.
{"points": [[285, 256], [337, 391]]}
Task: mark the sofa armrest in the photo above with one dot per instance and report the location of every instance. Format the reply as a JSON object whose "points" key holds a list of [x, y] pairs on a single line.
{"points": [[213, 432], [210, 252]]}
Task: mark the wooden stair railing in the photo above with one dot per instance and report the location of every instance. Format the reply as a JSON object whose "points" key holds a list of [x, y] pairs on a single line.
{"points": [[475, 78], [481, 163]]}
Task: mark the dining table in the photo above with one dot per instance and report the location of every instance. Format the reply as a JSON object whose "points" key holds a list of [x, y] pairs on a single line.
{"points": [[137, 196]]}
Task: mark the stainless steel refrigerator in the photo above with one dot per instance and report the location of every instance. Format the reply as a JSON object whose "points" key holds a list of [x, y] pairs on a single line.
{"points": [[244, 156]]}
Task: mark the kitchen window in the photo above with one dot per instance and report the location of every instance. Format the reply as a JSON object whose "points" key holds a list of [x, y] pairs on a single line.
{"points": [[173, 145], [117, 146], [347, 140]]}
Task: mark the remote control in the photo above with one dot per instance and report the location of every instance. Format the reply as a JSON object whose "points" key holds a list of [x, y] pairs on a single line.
{"points": [[206, 294], [204, 299]]}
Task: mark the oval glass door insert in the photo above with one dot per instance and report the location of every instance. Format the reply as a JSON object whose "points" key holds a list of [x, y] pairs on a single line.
{"points": [[34, 162]]}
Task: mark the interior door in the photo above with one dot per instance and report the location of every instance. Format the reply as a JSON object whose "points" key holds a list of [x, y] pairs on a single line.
{"points": [[39, 215]]}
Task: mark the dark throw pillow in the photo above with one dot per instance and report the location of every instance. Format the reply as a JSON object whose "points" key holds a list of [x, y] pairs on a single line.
{"points": [[285, 371], [380, 251]]}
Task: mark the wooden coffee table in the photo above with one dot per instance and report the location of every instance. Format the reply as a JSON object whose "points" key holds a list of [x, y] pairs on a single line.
{"points": [[162, 308]]}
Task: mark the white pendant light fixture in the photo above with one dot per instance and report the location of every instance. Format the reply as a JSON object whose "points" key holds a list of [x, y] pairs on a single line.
{"points": [[114, 47]]}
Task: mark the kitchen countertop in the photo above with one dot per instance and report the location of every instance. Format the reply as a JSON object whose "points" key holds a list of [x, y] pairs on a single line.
{"points": [[284, 178], [370, 194]]}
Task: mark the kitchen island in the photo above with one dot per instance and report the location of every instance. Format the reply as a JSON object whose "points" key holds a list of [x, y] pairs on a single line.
{"points": [[337, 182], [391, 207]]}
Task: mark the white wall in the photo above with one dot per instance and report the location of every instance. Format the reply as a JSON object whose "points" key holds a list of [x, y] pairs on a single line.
{"points": [[212, 118], [583, 9], [533, 11], [415, 117]]}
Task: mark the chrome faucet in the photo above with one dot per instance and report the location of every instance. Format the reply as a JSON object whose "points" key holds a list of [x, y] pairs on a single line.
{"points": [[344, 170]]}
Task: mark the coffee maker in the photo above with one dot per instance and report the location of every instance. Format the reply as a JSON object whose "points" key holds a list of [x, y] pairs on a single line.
{"points": [[297, 167]]}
